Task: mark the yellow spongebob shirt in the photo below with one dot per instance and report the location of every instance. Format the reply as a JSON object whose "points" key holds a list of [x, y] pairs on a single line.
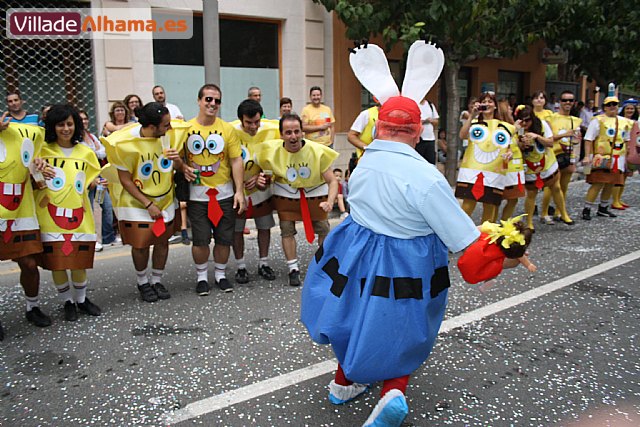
{"points": [[316, 116], [63, 206], [210, 149], [561, 125], [267, 131]]}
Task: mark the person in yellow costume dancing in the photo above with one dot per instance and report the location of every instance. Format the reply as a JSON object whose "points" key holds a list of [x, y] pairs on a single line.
{"points": [[20, 146], [64, 213], [145, 155], [305, 187]]}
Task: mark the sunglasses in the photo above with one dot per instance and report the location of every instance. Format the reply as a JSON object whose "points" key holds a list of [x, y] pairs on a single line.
{"points": [[567, 100], [611, 104], [208, 99]]}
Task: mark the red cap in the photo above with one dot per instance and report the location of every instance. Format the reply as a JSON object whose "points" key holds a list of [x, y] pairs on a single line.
{"points": [[400, 103]]}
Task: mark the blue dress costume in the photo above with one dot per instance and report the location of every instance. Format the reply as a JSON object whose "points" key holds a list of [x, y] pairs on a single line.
{"points": [[377, 289]]}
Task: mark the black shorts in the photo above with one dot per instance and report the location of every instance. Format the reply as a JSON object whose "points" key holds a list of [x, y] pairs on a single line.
{"points": [[427, 149], [203, 229]]}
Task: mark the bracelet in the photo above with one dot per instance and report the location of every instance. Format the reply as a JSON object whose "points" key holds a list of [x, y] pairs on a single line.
{"points": [[147, 207]]}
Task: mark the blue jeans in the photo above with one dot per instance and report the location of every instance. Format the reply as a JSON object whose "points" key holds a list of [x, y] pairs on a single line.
{"points": [[108, 234]]}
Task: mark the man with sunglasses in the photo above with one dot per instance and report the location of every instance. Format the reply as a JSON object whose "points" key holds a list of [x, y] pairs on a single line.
{"points": [[212, 150], [605, 146]]}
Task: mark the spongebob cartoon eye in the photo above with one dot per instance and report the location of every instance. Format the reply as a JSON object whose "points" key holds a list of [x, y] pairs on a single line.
{"points": [[26, 151], [638, 141], [3, 151], [501, 138], [164, 164], [292, 174], [145, 169], [195, 144], [625, 134], [245, 154], [304, 172], [477, 133], [611, 132], [539, 147], [78, 184], [57, 182], [214, 143]]}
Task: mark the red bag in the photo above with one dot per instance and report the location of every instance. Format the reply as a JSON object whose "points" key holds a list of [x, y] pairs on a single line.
{"points": [[633, 147]]}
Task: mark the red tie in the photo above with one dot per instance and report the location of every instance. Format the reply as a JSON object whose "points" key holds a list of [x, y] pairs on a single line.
{"points": [[214, 211], [615, 163], [8, 233], [539, 182], [520, 187], [159, 227], [478, 187], [249, 213], [67, 247], [306, 217]]}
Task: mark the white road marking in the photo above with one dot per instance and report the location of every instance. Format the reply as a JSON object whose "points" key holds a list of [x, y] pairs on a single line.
{"points": [[271, 385]]}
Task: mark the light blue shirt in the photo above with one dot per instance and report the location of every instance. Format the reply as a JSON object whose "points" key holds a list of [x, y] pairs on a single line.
{"points": [[395, 192], [29, 119]]}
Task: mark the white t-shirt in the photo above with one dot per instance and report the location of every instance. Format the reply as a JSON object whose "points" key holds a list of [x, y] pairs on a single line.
{"points": [[174, 111], [361, 121], [428, 111]]}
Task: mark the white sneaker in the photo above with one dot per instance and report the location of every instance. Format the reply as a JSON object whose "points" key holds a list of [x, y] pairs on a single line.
{"points": [[343, 215], [177, 238], [98, 247], [390, 411], [341, 394]]}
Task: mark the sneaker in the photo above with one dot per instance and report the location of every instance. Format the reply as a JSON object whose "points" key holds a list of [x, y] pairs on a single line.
{"points": [[186, 241], [162, 292], [70, 311], [266, 272], [38, 318], [341, 394], [147, 293], [176, 238], [98, 247], [117, 241], [548, 220], [202, 288], [89, 308], [343, 215], [242, 276], [586, 214], [294, 278], [224, 285], [604, 211], [390, 411]]}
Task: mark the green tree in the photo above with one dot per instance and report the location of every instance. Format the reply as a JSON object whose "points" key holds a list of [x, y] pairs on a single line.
{"points": [[466, 30]]}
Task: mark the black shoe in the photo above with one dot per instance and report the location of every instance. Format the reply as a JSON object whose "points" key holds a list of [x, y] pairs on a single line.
{"points": [[202, 288], [89, 308], [242, 276], [294, 278], [604, 211], [162, 292], [38, 318], [186, 241], [586, 214], [225, 285], [147, 293], [70, 311], [266, 272], [1, 333]]}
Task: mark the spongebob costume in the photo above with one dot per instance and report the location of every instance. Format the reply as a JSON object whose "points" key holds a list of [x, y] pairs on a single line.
{"points": [[64, 213], [258, 202], [152, 173], [609, 149], [299, 186], [19, 229]]}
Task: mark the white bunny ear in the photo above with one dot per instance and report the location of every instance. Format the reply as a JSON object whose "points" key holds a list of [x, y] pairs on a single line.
{"points": [[371, 68], [424, 65]]}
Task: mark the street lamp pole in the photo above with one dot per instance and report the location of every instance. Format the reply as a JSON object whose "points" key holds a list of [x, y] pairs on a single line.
{"points": [[211, 41]]}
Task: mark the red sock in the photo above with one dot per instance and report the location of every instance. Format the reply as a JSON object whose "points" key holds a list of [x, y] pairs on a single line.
{"points": [[340, 378], [399, 383]]}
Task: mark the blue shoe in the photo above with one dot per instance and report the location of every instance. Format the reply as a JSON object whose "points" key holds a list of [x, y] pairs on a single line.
{"points": [[390, 411], [341, 394]]}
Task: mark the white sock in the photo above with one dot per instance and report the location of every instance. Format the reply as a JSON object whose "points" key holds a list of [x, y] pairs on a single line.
{"points": [[81, 291], [220, 272], [64, 292], [590, 205], [241, 264], [605, 203], [141, 277], [263, 261], [32, 302], [202, 271], [293, 265], [156, 276]]}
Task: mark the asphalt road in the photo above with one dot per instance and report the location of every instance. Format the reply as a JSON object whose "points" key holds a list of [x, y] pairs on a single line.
{"points": [[558, 347]]}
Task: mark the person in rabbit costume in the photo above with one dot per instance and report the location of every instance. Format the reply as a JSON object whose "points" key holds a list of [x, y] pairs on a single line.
{"points": [[385, 267]]}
